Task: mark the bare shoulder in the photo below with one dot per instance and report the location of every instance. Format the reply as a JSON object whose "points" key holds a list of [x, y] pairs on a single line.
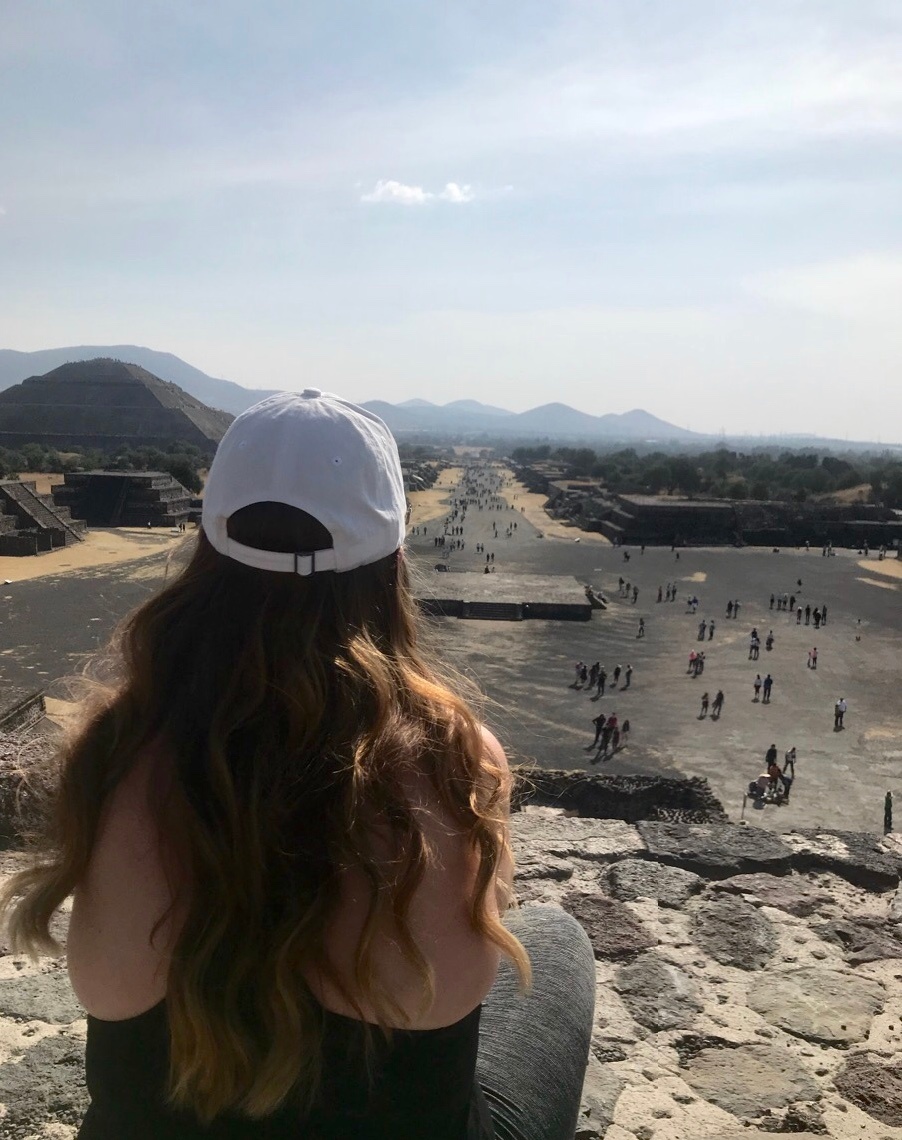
{"points": [[116, 968], [493, 748]]}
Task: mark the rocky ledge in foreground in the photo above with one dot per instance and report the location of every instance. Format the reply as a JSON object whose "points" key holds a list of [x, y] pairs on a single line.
{"points": [[748, 984]]}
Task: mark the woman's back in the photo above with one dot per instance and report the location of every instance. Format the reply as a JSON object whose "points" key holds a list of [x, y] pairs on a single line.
{"points": [[118, 971], [419, 1083], [280, 823]]}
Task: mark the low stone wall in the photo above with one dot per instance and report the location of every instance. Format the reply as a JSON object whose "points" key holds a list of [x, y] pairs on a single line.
{"points": [[629, 798]]}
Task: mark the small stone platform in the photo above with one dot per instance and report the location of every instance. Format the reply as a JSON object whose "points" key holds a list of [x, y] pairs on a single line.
{"points": [[504, 597]]}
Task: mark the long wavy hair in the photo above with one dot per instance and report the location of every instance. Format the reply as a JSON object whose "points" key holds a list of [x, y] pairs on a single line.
{"points": [[292, 709]]}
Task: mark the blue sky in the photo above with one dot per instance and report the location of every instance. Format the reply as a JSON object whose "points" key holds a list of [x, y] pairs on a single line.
{"points": [[691, 206]]}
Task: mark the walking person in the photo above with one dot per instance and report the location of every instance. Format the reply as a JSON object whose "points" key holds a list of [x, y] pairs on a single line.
{"points": [[627, 676], [812, 658], [704, 711], [756, 685], [717, 704], [606, 731], [839, 712], [640, 632], [789, 761], [617, 672], [282, 827], [711, 630], [808, 614], [599, 722], [624, 733], [768, 685], [602, 678]]}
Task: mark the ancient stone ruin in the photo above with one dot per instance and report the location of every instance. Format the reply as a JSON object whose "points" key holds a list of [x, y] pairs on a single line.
{"points": [[105, 404], [124, 498], [657, 520], [31, 523]]}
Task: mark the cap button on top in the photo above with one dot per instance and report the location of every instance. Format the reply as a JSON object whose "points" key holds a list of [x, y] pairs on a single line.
{"points": [[311, 393]]}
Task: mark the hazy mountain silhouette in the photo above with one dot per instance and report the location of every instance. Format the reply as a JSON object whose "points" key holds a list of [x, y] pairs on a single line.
{"points": [[553, 420], [459, 417], [222, 394]]}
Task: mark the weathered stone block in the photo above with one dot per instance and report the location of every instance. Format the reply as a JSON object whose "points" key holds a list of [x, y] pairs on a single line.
{"points": [[658, 994], [715, 851], [612, 929], [643, 879], [819, 1004], [734, 933], [750, 1079]]}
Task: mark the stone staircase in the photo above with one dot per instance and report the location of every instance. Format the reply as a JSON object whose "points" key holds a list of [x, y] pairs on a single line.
{"points": [[31, 523], [492, 611]]}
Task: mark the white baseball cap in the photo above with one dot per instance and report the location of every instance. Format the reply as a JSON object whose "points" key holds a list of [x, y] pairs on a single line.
{"points": [[319, 453]]}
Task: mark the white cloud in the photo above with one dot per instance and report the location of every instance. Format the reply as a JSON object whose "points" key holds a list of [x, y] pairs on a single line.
{"points": [[454, 192], [2, 211], [388, 190]]}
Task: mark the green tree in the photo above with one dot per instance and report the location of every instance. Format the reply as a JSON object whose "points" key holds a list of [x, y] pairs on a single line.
{"points": [[657, 478], [180, 468], [685, 475]]}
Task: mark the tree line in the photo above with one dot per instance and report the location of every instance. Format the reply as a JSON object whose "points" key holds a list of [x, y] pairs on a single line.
{"points": [[725, 474], [183, 461]]}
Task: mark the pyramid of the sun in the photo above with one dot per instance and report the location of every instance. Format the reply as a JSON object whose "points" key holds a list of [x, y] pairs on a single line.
{"points": [[105, 404]]}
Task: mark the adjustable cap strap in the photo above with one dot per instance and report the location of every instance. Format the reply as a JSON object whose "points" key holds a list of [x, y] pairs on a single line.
{"points": [[304, 563]]}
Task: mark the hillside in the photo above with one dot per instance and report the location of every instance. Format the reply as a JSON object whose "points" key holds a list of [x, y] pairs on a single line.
{"points": [[215, 393]]}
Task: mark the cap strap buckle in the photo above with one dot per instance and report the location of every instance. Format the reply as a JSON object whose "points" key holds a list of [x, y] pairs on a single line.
{"points": [[310, 567]]}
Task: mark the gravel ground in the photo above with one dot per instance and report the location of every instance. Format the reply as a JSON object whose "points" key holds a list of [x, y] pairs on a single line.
{"points": [[526, 668]]}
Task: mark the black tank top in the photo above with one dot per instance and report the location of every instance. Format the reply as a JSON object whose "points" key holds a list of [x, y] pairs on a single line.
{"points": [[424, 1087]]}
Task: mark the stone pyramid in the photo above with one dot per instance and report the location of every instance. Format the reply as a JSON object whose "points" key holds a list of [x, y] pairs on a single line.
{"points": [[105, 404]]}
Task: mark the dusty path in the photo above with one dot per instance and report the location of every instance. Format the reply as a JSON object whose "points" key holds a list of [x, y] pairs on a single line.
{"points": [[551, 528], [426, 505], [101, 547], [429, 505]]}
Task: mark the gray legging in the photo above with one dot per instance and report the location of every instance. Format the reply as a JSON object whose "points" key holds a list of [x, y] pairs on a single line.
{"points": [[533, 1050]]}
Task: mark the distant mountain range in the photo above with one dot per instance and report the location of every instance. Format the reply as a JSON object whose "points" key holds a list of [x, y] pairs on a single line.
{"points": [[417, 417], [222, 394], [412, 416], [553, 420]]}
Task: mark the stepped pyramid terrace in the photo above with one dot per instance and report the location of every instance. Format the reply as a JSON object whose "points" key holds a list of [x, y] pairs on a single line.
{"points": [[105, 404]]}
